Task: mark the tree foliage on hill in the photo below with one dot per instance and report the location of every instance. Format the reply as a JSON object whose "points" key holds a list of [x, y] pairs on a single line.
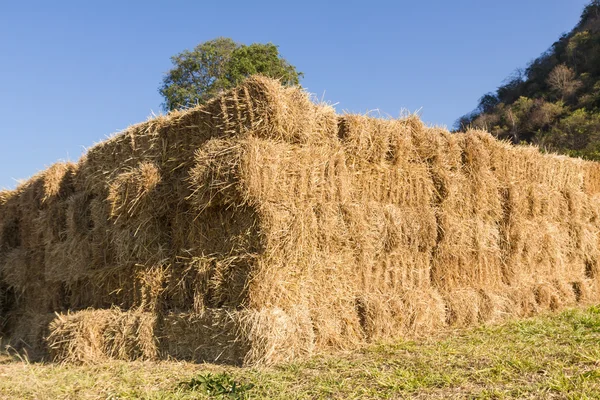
{"points": [[555, 101], [218, 65]]}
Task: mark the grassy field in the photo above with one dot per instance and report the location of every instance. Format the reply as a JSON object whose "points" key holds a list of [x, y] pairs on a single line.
{"points": [[550, 356]]}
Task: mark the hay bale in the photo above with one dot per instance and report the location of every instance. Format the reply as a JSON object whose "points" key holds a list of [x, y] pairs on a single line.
{"points": [[385, 316], [92, 336], [248, 337], [468, 306], [58, 182], [138, 287], [14, 268], [129, 190], [29, 330]]}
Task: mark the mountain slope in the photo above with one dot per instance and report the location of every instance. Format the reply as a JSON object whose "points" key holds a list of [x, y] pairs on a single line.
{"points": [[555, 101]]}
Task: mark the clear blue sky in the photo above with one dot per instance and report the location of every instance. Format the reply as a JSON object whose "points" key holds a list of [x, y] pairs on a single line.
{"points": [[73, 72]]}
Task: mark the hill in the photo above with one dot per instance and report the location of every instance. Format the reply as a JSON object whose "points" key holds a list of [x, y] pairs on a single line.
{"points": [[555, 102]]}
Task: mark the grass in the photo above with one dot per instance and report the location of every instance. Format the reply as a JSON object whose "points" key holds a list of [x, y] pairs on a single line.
{"points": [[549, 356]]}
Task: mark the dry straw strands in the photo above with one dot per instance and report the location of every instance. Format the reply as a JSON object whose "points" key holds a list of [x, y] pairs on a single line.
{"points": [[262, 227], [96, 335]]}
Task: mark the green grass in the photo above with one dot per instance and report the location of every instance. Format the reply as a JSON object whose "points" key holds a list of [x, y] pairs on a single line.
{"points": [[550, 356]]}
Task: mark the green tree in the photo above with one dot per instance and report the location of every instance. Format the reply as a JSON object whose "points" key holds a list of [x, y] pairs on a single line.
{"points": [[218, 65], [579, 133]]}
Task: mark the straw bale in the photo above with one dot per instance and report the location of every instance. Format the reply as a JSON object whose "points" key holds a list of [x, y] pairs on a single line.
{"points": [[78, 241], [28, 334], [468, 306], [144, 242], [129, 190], [377, 140], [137, 213], [264, 109], [524, 301], [14, 268], [547, 296], [92, 336], [35, 296], [98, 224], [463, 307], [414, 312], [128, 287], [207, 336], [9, 236], [28, 205], [58, 182], [187, 285], [247, 337]]}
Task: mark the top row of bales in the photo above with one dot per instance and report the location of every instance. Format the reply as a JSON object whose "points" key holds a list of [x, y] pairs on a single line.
{"points": [[263, 227]]}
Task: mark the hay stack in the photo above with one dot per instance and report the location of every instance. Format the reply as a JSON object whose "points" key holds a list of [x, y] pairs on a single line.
{"points": [[262, 227]]}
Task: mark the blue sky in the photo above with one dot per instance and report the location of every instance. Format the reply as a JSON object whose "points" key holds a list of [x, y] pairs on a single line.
{"points": [[73, 72]]}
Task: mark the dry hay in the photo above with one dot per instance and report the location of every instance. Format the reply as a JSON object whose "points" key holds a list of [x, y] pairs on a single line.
{"points": [[262, 227], [97, 335], [28, 334], [237, 337]]}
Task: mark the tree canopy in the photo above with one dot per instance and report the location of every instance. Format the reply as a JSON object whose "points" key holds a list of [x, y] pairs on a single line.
{"points": [[218, 65]]}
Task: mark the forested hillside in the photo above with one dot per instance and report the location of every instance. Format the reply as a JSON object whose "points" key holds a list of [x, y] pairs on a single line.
{"points": [[554, 102]]}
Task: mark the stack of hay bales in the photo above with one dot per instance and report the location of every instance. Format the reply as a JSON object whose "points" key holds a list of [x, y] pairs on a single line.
{"points": [[262, 227]]}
